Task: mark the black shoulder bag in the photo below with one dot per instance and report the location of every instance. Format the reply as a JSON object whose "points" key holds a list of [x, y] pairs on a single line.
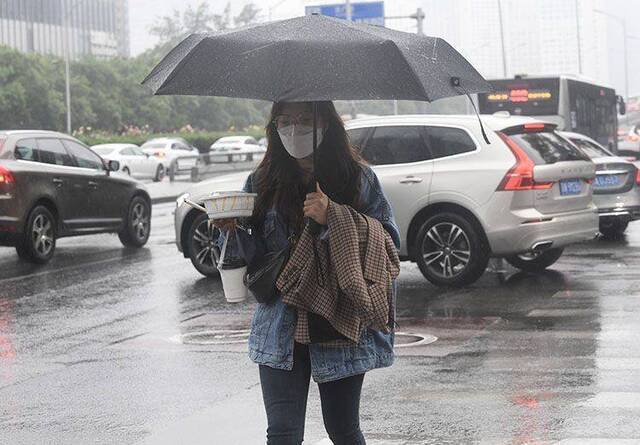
{"points": [[262, 275]]}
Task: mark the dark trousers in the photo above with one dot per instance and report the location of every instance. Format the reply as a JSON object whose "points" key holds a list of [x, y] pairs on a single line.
{"points": [[285, 399]]}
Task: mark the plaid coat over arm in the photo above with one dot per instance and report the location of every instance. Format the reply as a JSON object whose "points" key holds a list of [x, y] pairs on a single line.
{"points": [[347, 279]]}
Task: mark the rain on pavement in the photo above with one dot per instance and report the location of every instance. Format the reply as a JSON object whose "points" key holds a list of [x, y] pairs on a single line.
{"points": [[109, 345]]}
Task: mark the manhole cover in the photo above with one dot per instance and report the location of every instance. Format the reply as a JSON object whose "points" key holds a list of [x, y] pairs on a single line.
{"points": [[213, 337], [406, 339]]}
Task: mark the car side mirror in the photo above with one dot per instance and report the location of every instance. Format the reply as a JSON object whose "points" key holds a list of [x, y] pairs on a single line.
{"points": [[622, 106], [113, 166]]}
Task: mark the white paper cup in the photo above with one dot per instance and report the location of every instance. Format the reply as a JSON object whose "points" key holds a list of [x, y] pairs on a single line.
{"points": [[233, 284]]}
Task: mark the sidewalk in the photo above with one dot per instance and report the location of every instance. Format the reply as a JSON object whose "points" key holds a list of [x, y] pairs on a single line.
{"points": [[166, 191]]}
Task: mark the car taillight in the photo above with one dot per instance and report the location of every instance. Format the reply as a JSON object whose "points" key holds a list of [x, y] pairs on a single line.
{"points": [[6, 177], [159, 154], [637, 176], [520, 176]]}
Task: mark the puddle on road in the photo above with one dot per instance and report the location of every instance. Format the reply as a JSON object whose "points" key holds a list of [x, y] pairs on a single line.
{"points": [[213, 337], [406, 339]]}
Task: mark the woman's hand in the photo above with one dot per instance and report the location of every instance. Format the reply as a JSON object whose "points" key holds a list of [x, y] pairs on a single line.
{"points": [[316, 205], [226, 224]]}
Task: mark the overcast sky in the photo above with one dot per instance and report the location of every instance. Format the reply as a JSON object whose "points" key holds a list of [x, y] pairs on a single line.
{"points": [[143, 14]]}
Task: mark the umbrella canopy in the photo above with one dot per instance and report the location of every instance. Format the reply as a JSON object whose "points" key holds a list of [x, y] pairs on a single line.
{"points": [[315, 58]]}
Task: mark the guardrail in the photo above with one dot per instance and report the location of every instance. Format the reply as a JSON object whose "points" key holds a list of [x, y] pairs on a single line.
{"points": [[210, 164]]}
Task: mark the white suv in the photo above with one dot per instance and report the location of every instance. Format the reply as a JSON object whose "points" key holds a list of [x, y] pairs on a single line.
{"points": [[458, 200]]}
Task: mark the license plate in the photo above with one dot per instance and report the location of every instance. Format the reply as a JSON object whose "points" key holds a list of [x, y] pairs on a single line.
{"points": [[570, 187], [607, 181]]}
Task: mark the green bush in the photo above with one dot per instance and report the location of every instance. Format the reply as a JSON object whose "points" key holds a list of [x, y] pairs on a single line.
{"points": [[200, 139]]}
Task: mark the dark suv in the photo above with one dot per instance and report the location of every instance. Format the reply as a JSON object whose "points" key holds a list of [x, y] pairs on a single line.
{"points": [[51, 185]]}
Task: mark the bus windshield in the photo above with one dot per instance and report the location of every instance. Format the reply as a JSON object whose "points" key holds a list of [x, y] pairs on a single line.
{"points": [[526, 97]]}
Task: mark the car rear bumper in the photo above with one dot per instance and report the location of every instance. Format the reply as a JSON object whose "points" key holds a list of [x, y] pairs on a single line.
{"points": [[532, 230], [621, 206]]}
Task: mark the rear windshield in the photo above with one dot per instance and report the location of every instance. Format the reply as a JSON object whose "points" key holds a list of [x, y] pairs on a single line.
{"points": [[590, 149], [548, 148], [103, 150]]}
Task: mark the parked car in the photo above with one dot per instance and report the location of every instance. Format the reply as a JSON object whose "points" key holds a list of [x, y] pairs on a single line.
{"points": [[628, 142], [616, 189], [228, 145], [52, 186], [458, 200], [133, 161], [167, 150]]}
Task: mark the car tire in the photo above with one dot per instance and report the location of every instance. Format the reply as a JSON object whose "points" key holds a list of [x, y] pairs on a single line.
{"points": [[535, 262], [159, 173], [613, 229], [137, 228], [200, 238], [126, 171], [451, 250], [39, 240]]}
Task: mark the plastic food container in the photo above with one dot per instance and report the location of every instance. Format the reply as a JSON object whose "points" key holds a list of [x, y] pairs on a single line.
{"points": [[229, 204]]}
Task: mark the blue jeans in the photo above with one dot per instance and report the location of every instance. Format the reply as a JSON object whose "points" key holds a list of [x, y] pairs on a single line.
{"points": [[285, 399]]}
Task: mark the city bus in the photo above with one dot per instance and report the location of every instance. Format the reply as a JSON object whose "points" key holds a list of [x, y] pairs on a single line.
{"points": [[572, 103]]}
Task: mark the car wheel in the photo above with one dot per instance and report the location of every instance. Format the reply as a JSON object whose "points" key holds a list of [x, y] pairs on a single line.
{"points": [[451, 250], [613, 229], [535, 261], [138, 223], [126, 171], [39, 241], [159, 173], [202, 250]]}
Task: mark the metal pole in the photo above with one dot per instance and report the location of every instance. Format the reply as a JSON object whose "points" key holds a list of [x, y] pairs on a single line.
{"points": [[626, 62], [504, 57], [578, 37], [625, 37], [420, 20], [67, 83]]}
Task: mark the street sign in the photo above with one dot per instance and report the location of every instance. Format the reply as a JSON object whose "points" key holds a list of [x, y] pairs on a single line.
{"points": [[369, 12]]}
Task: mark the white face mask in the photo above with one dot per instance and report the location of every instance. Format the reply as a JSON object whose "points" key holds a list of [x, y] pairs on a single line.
{"points": [[298, 139]]}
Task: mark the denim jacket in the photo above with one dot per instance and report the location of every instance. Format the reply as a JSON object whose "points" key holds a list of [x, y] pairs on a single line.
{"points": [[271, 340]]}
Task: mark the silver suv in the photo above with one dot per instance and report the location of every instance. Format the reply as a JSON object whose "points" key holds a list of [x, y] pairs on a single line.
{"points": [[458, 200]]}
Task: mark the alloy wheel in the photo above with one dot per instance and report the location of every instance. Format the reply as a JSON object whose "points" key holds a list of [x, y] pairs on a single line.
{"points": [[42, 235], [446, 250], [204, 237], [140, 220]]}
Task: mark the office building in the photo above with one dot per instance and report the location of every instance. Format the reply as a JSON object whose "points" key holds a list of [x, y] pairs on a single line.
{"points": [[97, 28]]}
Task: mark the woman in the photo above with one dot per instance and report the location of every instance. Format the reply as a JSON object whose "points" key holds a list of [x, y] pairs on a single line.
{"points": [[282, 182]]}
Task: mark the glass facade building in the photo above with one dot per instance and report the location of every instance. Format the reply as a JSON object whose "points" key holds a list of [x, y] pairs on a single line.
{"points": [[98, 28]]}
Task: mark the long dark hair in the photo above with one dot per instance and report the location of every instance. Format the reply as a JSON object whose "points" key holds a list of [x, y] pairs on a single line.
{"points": [[279, 179]]}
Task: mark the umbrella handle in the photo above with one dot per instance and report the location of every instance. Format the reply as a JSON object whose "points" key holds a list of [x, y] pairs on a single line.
{"points": [[314, 227]]}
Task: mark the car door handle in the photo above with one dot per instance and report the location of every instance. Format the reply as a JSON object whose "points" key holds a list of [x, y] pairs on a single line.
{"points": [[93, 184], [58, 182], [410, 180]]}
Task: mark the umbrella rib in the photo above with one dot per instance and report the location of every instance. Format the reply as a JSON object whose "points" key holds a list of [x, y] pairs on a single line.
{"points": [[412, 71]]}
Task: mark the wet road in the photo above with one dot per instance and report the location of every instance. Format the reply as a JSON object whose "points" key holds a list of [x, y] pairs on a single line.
{"points": [[92, 350]]}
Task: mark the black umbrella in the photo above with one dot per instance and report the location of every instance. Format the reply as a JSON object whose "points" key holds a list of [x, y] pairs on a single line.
{"points": [[315, 58]]}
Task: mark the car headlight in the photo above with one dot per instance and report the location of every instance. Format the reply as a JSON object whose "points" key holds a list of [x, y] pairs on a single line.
{"points": [[181, 199]]}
